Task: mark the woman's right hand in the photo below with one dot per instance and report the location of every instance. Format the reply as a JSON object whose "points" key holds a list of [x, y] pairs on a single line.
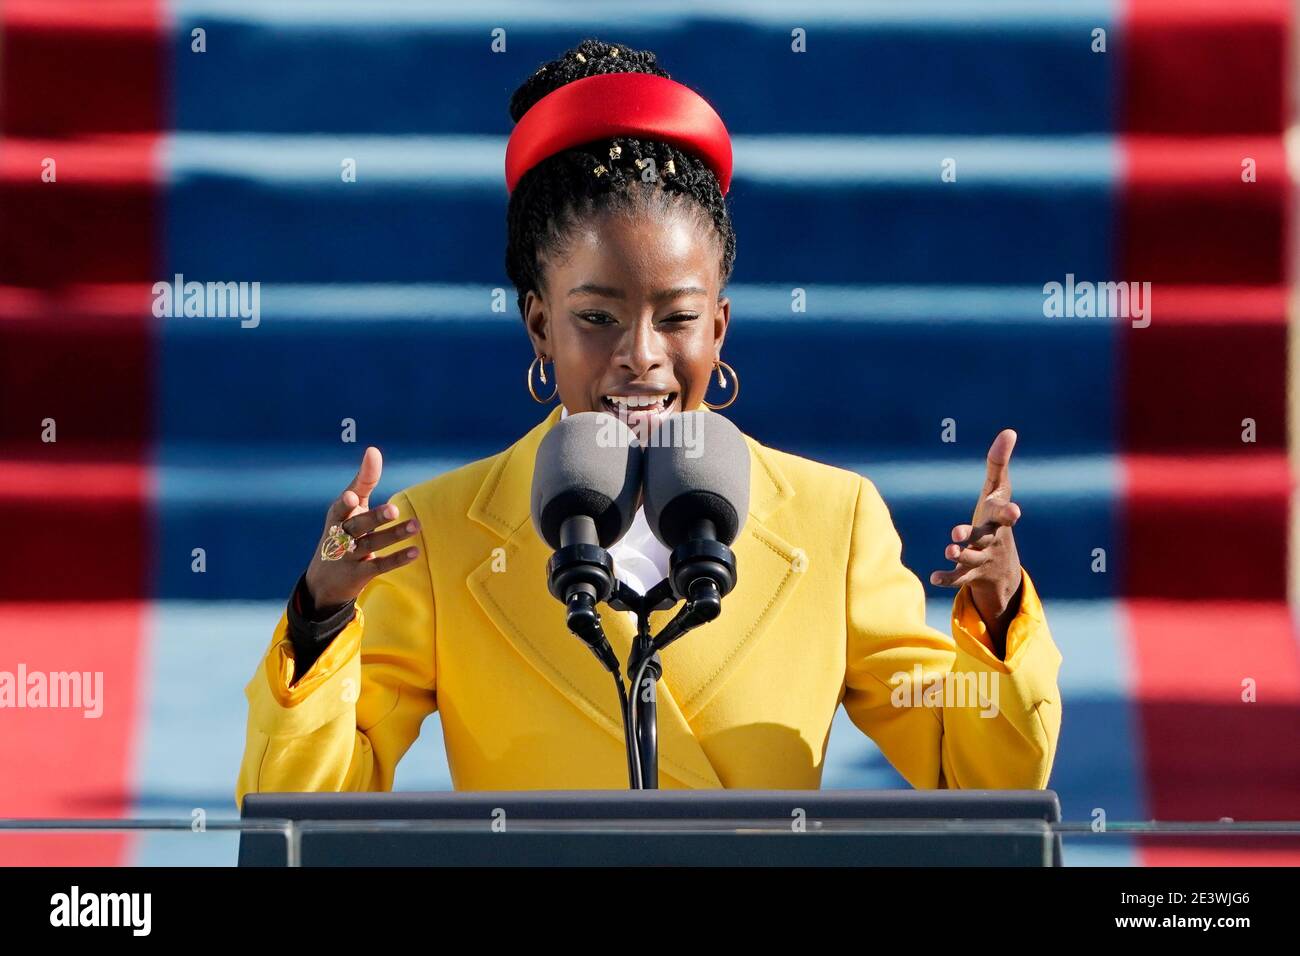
{"points": [[333, 583]]}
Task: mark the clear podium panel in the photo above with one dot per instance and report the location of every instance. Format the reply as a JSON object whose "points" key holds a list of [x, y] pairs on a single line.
{"points": [[853, 841], [112, 843]]}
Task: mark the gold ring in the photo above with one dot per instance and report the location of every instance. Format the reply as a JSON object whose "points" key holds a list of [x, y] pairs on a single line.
{"points": [[337, 543]]}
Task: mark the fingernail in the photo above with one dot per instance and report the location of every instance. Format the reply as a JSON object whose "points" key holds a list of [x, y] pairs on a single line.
{"points": [[411, 553], [410, 526], [390, 512]]}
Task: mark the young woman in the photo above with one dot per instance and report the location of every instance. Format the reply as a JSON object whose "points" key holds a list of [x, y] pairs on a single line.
{"points": [[620, 245]]}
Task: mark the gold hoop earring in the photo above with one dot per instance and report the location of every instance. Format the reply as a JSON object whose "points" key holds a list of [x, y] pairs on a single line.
{"points": [[528, 378], [720, 365]]}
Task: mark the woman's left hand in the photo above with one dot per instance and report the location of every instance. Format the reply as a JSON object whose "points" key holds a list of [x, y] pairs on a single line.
{"points": [[985, 550]]}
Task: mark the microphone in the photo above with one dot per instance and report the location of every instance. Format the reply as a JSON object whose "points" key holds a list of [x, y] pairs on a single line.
{"points": [[696, 500], [586, 481]]}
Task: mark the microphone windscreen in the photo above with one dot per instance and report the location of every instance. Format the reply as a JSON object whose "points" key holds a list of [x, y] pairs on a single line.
{"points": [[589, 463], [696, 466]]}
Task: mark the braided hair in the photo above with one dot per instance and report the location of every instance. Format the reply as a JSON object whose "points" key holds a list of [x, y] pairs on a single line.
{"points": [[564, 189]]}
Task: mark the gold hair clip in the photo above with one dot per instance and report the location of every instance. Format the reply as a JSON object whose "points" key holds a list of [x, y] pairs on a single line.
{"points": [[581, 58], [669, 169], [615, 152], [600, 170], [613, 51]]}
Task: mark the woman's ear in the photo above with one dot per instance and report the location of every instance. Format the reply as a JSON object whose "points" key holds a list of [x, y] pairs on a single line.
{"points": [[536, 324], [721, 319]]}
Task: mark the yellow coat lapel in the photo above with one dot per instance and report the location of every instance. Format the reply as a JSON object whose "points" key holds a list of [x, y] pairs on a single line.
{"points": [[510, 585]]}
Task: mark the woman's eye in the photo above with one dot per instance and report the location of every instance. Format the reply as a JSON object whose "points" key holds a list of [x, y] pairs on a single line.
{"points": [[604, 318]]}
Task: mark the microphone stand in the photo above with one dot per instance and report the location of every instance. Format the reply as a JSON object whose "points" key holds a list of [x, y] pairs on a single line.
{"points": [[643, 735], [703, 604], [581, 575]]}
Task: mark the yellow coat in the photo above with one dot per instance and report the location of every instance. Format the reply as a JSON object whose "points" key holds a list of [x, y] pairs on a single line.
{"points": [[823, 613]]}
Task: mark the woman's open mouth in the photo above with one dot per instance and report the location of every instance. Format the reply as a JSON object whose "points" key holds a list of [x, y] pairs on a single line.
{"points": [[637, 409]]}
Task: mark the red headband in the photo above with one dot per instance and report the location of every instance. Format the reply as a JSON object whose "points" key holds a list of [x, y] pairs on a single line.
{"points": [[619, 104]]}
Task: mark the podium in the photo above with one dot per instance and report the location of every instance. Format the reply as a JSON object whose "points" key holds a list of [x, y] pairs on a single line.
{"points": [[656, 827]]}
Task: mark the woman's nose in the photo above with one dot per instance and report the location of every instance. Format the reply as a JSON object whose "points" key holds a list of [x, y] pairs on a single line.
{"points": [[641, 348]]}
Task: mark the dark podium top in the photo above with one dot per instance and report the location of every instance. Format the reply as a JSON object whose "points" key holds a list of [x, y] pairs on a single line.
{"points": [[658, 827]]}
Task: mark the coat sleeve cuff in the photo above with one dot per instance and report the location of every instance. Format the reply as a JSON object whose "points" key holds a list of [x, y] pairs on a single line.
{"points": [[972, 634], [1028, 695], [329, 689]]}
